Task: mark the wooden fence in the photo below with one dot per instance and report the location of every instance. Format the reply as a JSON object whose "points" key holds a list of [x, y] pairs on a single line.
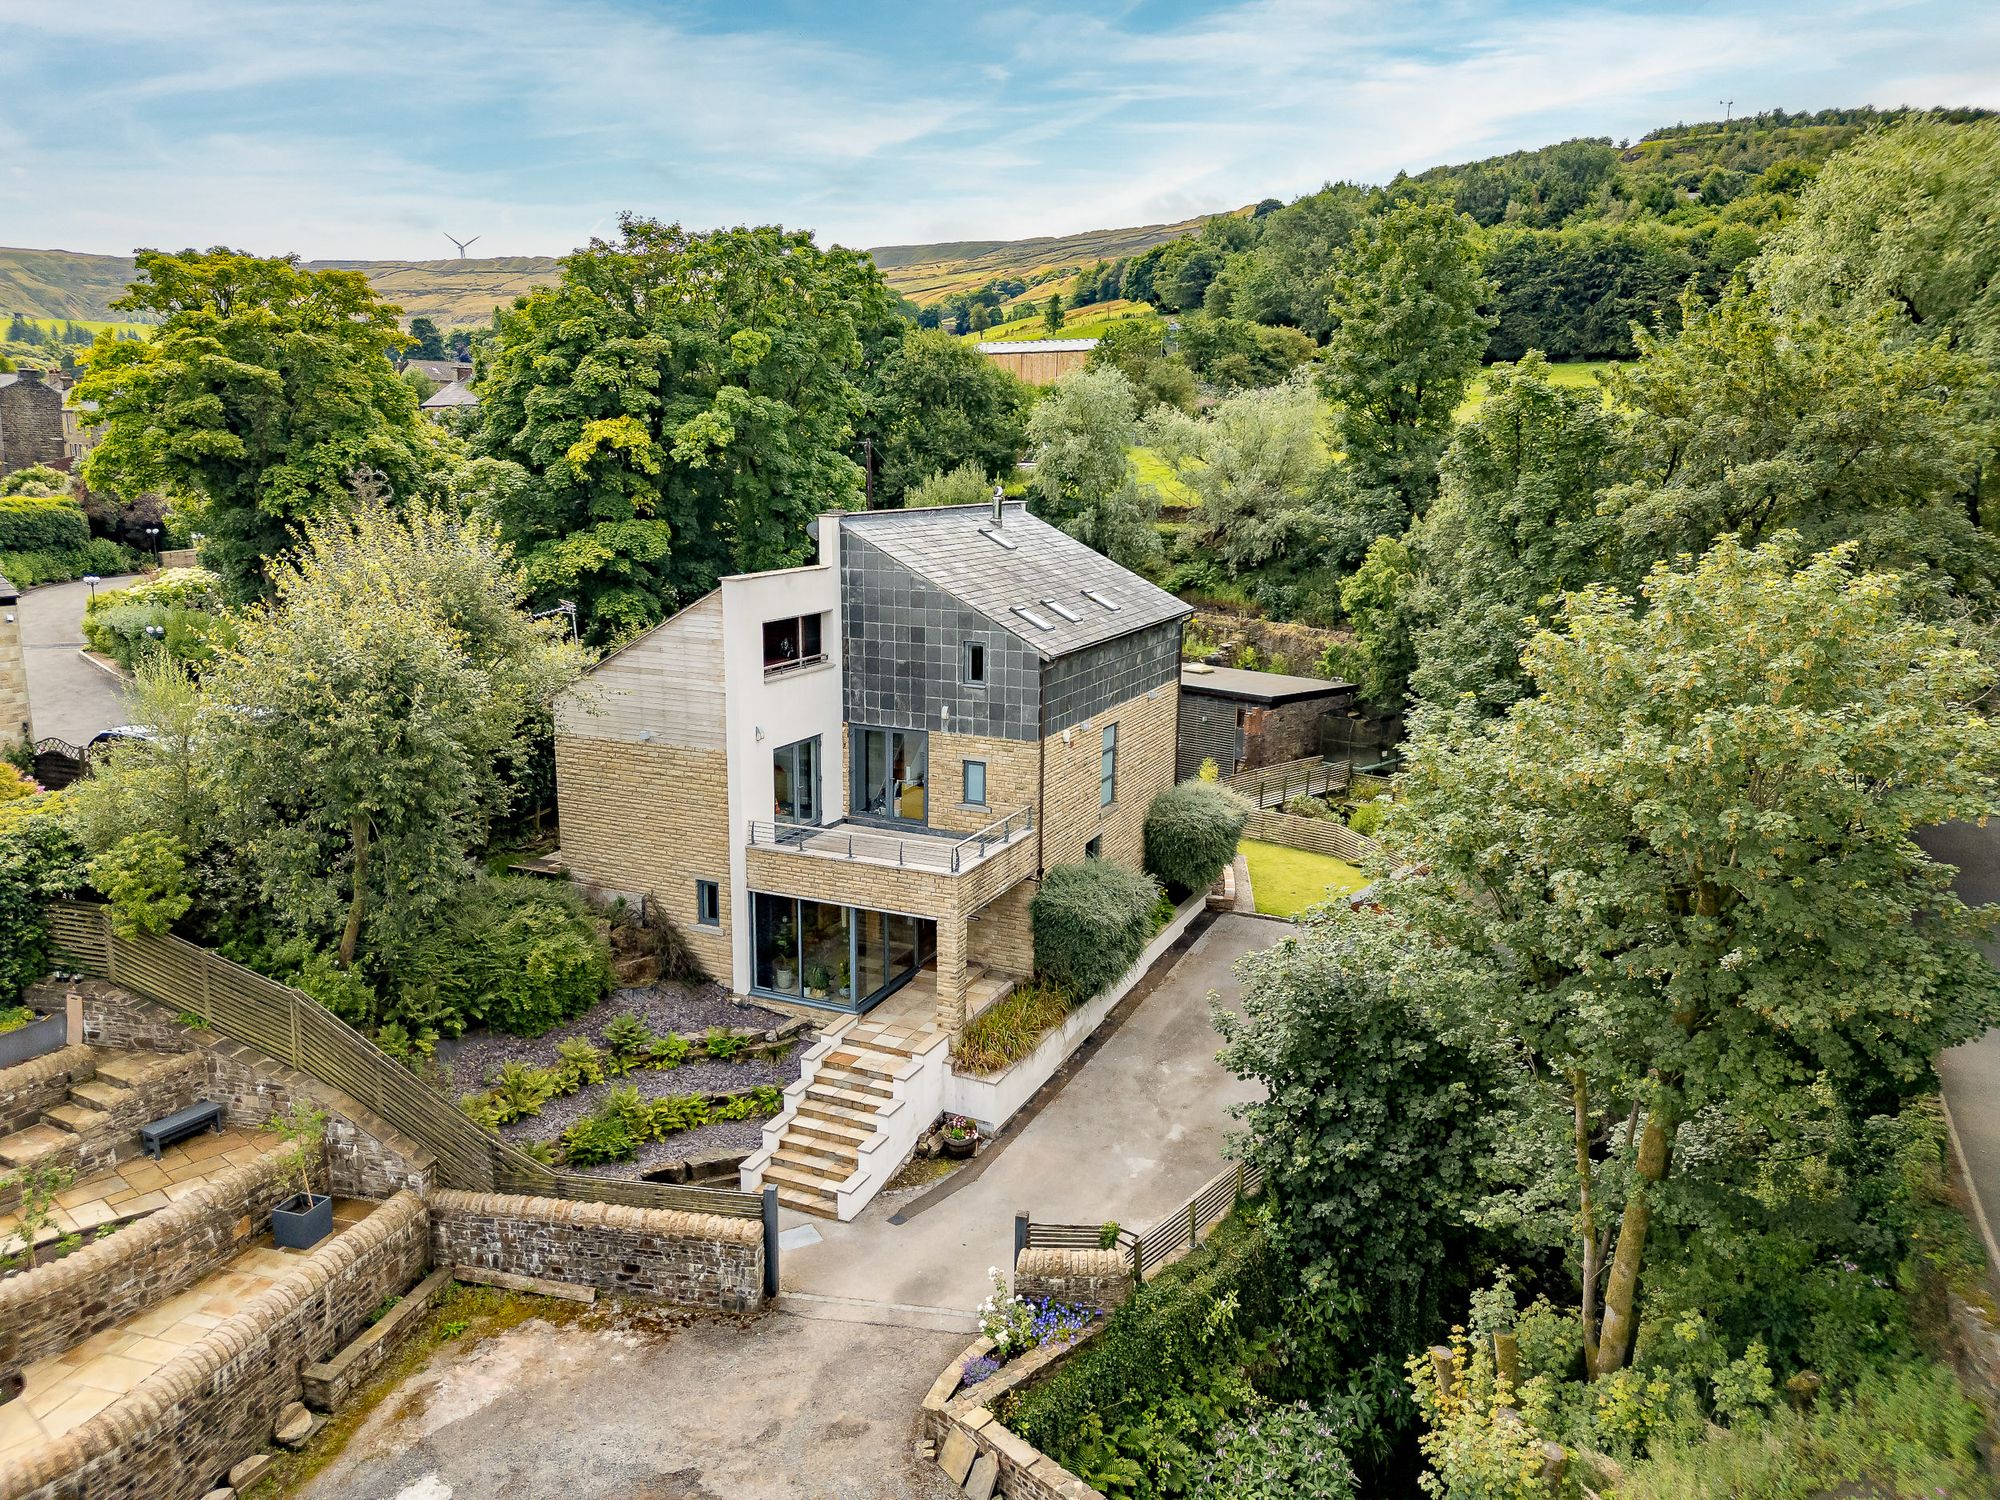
{"points": [[1275, 785], [1177, 1231], [292, 1027], [1316, 835]]}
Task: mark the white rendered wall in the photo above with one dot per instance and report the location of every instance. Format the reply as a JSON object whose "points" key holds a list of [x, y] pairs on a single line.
{"points": [[764, 714]]}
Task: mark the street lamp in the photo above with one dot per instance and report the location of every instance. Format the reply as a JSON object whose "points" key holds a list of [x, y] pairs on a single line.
{"points": [[93, 580], [153, 536]]}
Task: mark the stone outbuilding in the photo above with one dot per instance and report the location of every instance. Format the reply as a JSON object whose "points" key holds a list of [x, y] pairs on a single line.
{"points": [[31, 422], [1244, 719]]}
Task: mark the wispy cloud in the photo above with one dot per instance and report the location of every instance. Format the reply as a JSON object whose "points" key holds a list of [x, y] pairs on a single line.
{"points": [[348, 128]]}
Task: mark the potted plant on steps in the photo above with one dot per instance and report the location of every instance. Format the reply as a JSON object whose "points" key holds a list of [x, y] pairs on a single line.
{"points": [[304, 1219], [961, 1137]]}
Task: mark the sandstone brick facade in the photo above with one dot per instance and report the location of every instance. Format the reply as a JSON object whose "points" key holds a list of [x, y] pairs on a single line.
{"points": [[31, 424], [177, 1434], [1099, 1279], [650, 819], [1070, 814], [64, 1302], [695, 1260], [14, 717], [967, 1435]]}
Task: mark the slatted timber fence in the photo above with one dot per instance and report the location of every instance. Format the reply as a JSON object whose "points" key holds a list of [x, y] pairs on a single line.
{"points": [[292, 1027], [1178, 1230]]}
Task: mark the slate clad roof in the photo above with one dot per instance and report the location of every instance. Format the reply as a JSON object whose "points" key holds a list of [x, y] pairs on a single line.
{"points": [[455, 394], [948, 545]]}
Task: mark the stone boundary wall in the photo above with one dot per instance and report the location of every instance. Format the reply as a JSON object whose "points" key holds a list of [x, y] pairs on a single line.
{"points": [[57, 1306], [180, 557], [28, 1088], [697, 1260], [1097, 1279], [973, 1444], [1301, 646], [168, 1088], [366, 1156], [178, 1433], [1316, 835]]}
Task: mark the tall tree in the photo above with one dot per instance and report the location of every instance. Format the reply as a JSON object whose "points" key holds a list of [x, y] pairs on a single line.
{"points": [[1137, 349], [1514, 527], [262, 388], [1750, 421], [939, 403], [1406, 340], [1052, 313], [1083, 481], [1682, 877], [684, 404], [426, 341]]}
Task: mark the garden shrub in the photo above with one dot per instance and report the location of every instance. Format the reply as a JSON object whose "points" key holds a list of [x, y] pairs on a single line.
{"points": [[624, 1122], [1091, 921], [514, 953], [105, 558], [1286, 1453], [1367, 816], [42, 523], [14, 782], [1010, 1028], [1191, 833], [145, 878], [39, 862], [182, 603]]}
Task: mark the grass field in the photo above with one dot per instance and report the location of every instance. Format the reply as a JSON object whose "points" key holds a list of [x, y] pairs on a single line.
{"points": [[1085, 323], [1286, 881], [1578, 374]]}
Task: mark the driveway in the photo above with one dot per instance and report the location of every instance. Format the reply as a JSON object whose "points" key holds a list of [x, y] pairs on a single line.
{"points": [[68, 698], [1138, 1125], [634, 1407], [1971, 1072]]}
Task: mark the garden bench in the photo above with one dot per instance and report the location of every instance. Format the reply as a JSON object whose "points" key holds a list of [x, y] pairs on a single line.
{"points": [[178, 1126]]}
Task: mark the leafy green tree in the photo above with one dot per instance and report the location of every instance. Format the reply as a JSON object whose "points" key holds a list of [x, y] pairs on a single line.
{"points": [[427, 342], [264, 386], [1052, 313], [1682, 876], [939, 403], [1750, 422], [1083, 480], [1406, 340], [967, 484], [684, 405], [1137, 349], [1287, 277], [1902, 220], [1256, 461], [356, 740], [1377, 599], [1372, 1124], [1514, 527]]}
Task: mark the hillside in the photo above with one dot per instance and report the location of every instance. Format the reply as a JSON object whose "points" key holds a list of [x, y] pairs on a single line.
{"points": [[928, 273]]}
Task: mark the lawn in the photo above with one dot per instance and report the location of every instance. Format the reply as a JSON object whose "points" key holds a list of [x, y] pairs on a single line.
{"points": [[1287, 881], [1579, 374]]}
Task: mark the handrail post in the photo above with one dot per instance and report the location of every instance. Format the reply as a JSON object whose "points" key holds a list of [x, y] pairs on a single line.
{"points": [[770, 1206], [1020, 1234]]}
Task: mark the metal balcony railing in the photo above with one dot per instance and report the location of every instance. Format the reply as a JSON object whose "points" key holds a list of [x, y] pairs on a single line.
{"points": [[920, 851]]}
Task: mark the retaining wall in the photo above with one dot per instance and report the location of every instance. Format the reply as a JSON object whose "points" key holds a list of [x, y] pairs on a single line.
{"points": [[28, 1088], [973, 1445], [57, 1306], [1098, 1279], [697, 1260], [366, 1156], [178, 1433], [1317, 835]]}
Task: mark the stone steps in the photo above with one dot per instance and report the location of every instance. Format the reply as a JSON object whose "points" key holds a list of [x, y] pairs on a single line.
{"points": [[99, 1094], [26, 1147], [819, 1205], [77, 1119], [853, 1060], [794, 1157], [831, 1131], [868, 1101], [834, 1112], [133, 1069]]}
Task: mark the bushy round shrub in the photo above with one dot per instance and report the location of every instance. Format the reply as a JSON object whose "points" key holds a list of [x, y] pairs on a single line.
{"points": [[1091, 921], [1285, 1453], [42, 523], [516, 954], [1191, 833], [1368, 816]]}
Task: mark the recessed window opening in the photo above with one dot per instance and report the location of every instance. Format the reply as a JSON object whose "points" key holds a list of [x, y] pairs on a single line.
{"points": [[792, 642], [972, 664]]}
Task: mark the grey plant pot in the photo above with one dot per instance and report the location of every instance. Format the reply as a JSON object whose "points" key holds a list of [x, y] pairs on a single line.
{"points": [[297, 1228]]}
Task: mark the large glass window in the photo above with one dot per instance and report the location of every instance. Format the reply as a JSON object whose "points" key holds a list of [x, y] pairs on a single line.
{"points": [[835, 955], [776, 966], [792, 642], [795, 782], [1107, 767], [825, 960], [892, 773]]}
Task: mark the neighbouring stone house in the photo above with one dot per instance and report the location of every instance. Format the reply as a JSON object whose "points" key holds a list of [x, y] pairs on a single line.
{"points": [[14, 720], [1242, 719], [847, 778], [31, 422], [455, 396]]}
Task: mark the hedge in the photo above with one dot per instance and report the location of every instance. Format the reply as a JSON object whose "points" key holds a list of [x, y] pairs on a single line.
{"points": [[513, 953], [1091, 921], [105, 558], [1191, 833], [42, 523]]}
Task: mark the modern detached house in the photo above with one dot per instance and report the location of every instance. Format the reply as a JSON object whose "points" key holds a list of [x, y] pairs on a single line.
{"points": [[843, 781]]}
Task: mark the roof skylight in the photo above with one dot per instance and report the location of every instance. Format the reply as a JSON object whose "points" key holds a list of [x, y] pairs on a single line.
{"points": [[1063, 609], [1032, 618], [1101, 600], [998, 540]]}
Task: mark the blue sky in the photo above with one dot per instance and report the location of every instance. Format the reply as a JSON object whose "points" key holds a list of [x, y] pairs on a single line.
{"points": [[369, 128]]}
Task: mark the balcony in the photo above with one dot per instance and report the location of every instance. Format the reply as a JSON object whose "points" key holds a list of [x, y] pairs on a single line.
{"points": [[935, 853]]}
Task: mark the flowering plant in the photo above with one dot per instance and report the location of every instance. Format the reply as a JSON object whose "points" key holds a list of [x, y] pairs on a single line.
{"points": [[979, 1367], [959, 1128], [1017, 1324]]}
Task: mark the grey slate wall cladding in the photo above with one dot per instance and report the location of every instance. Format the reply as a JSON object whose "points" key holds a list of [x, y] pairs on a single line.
{"points": [[1091, 680], [902, 636]]}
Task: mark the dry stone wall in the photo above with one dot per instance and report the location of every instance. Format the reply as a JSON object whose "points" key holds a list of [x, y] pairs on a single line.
{"points": [[28, 1088], [178, 1433], [57, 1306], [1097, 1279], [696, 1260]]}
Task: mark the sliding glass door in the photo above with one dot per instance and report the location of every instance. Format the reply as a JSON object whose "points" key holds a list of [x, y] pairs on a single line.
{"points": [[892, 774], [841, 956], [795, 782]]}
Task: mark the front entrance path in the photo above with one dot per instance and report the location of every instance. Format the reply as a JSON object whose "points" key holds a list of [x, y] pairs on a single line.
{"points": [[1137, 1126], [68, 698]]}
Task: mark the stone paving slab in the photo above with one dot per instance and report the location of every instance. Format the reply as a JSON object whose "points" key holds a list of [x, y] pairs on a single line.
{"points": [[141, 1185]]}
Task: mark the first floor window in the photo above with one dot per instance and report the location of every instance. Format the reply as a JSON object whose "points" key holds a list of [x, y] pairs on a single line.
{"points": [[792, 642], [972, 670], [707, 904], [795, 782], [891, 774], [1107, 767], [975, 782]]}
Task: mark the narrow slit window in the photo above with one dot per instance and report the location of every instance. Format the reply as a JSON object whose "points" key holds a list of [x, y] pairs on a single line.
{"points": [[707, 904], [1107, 767], [972, 664], [975, 783]]}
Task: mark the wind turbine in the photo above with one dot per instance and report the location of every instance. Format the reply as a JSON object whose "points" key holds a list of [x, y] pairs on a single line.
{"points": [[462, 243]]}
